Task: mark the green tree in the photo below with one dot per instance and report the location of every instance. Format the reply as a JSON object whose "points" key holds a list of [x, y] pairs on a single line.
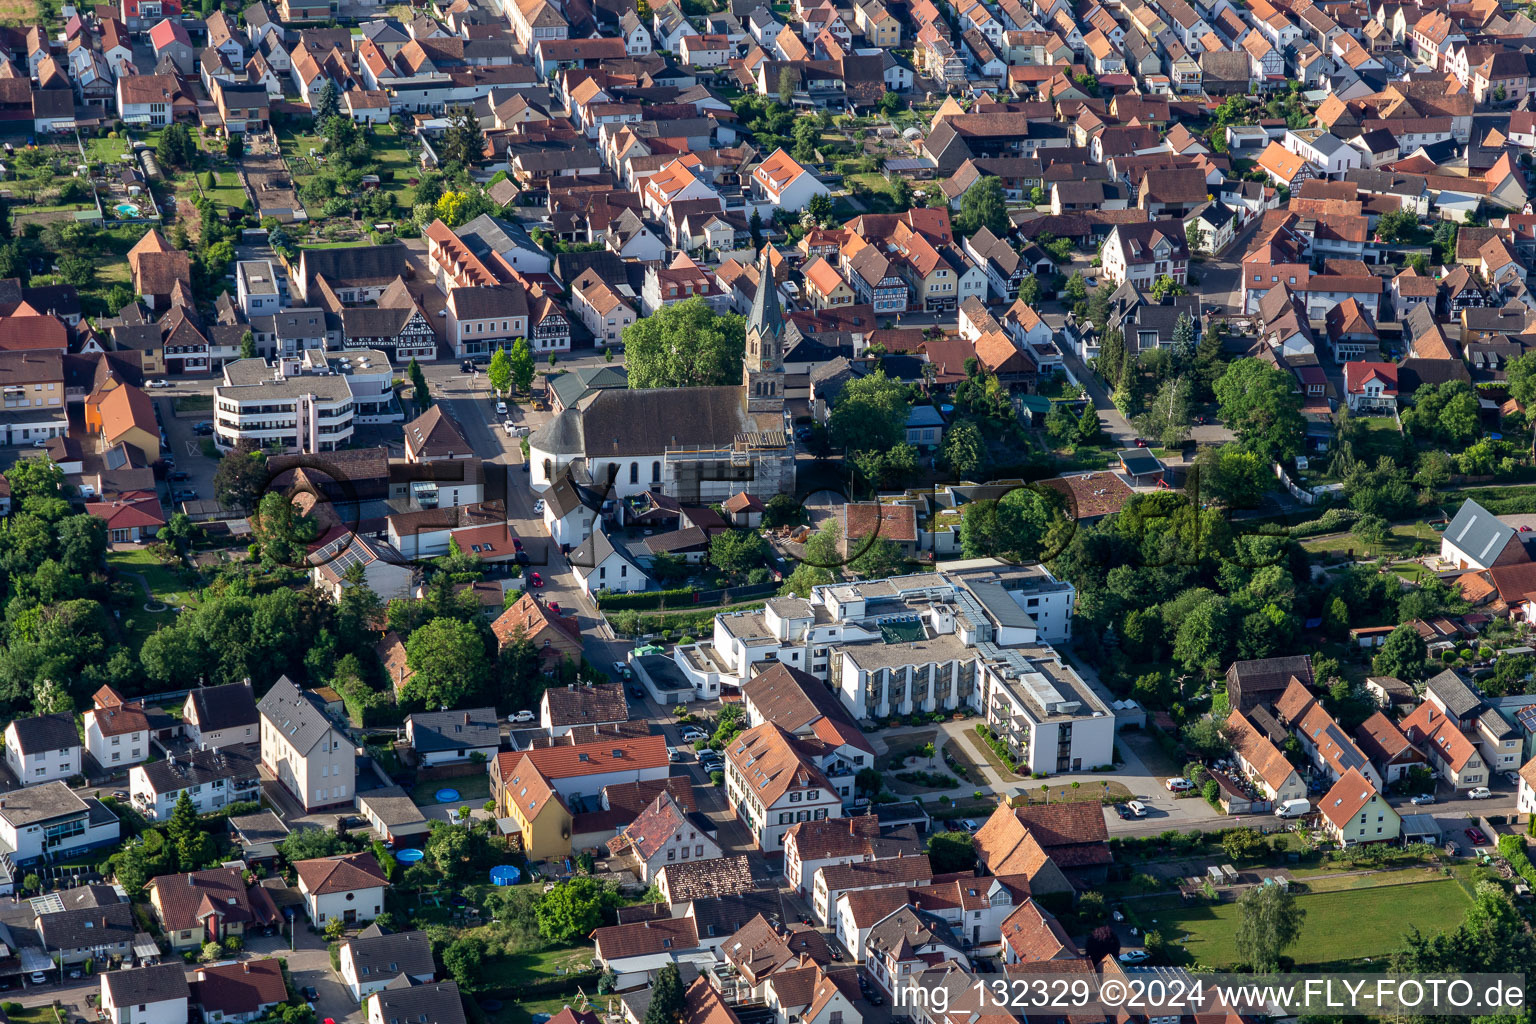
{"points": [[521, 366], [965, 451], [327, 104], [312, 843], [240, 480], [871, 413], [1029, 289], [951, 852], [1259, 403], [247, 345], [1402, 655], [1165, 286], [1397, 225], [448, 661], [462, 143], [1168, 417], [787, 83], [668, 1003], [685, 345], [1242, 843], [35, 476], [737, 552], [1511, 674], [901, 193], [1207, 738], [1194, 238], [983, 206], [876, 558], [281, 531], [572, 909], [1269, 923], [1205, 636], [77, 270], [181, 831], [419, 390], [499, 373], [820, 208], [1012, 527], [463, 958]]}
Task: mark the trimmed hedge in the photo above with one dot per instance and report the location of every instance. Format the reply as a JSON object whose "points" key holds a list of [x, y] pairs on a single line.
{"points": [[647, 601]]}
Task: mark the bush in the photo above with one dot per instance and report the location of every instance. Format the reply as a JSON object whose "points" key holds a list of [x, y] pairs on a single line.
{"points": [[1512, 849]]}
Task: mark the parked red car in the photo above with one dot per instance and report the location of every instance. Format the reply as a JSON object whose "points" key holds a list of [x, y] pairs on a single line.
{"points": [[534, 579]]}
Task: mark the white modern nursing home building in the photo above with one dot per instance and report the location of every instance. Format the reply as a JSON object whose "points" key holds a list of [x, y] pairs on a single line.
{"points": [[976, 633], [305, 403]]}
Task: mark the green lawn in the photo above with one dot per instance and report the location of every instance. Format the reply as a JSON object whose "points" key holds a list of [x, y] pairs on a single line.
{"points": [[164, 583], [1343, 925], [473, 790]]}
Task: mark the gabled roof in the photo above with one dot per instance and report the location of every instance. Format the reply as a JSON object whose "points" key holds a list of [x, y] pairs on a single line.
{"points": [[377, 953], [771, 763], [45, 732], [1341, 803], [296, 714], [1478, 532], [796, 701], [434, 434], [651, 829], [348, 873], [240, 988]]}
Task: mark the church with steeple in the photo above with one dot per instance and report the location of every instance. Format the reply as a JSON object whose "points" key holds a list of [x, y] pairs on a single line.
{"points": [[699, 445], [762, 371]]}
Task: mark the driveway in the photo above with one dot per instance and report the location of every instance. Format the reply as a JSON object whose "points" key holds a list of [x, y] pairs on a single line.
{"points": [[309, 963]]}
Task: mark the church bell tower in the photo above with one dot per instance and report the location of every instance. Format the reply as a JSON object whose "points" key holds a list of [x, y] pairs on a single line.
{"points": [[763, 367]]}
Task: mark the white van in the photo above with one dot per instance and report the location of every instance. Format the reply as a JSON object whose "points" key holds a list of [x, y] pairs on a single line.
{"points": [[1294, 809]]}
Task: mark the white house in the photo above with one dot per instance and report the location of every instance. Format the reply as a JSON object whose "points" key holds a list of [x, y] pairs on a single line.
{"points": [[220, 716], [1141, 253], [146, 995], [1370, 386], [349, 888], [1324, 151], [451, 737], [663, 834], [42, 749], [116, 733], [376, 957], [1525, 796], [599, 565], [50, 819], [771, 784], [212, 779], [783, 183], [438, 1001], [1475, 539], [303, 749], [570, 511]]}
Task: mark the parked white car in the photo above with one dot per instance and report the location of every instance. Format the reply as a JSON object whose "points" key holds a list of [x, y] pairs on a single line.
{"points": [[1179, 785], [1480, 793], [521, 716]]}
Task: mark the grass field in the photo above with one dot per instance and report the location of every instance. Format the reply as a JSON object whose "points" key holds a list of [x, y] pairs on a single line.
{"points": [[1345, 925], [164, 583], [18, 12], [1400, 542]]}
